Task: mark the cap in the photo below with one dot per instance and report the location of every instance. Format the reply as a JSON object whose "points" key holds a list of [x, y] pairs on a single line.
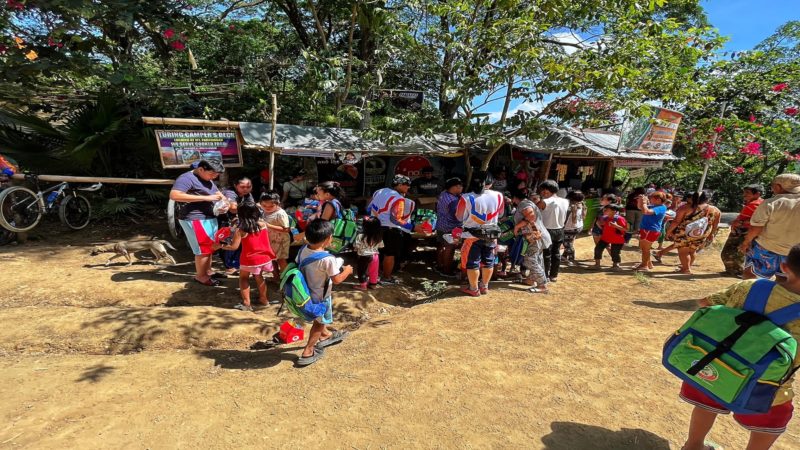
{"points": [[400, 179]]}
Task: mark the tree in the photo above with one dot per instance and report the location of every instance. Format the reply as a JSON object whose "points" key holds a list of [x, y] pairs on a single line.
{"points": [[757, 136]]}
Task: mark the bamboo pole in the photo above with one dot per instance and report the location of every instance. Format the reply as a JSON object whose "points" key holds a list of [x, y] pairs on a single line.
{"points": [[272, 142], [189, 122], [107, 180]]}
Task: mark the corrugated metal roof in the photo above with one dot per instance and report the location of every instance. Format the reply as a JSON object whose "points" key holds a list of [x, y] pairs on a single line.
{"points": [[603, 143]]}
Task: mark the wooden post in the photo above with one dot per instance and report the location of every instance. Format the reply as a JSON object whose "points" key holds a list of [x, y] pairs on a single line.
{"points": [[609, 175], [713, 144], [107, 180], [189, 122], [272, 142]]}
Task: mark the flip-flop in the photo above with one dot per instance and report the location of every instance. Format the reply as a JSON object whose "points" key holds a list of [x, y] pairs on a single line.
{"points": [[336, 337], [535, 290], [243, 307], [304, 361], [210, 282]]}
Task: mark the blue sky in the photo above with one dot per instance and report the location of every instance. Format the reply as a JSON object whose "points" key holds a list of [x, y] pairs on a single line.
{"points": [[744, 22]]}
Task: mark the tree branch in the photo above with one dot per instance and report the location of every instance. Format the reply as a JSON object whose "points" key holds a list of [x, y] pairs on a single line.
{"points": [[237, 5], [318, 24]]}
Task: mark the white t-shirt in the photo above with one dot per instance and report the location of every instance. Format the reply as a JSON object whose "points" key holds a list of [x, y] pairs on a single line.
{"points": [[317, 273], [554, 214]]}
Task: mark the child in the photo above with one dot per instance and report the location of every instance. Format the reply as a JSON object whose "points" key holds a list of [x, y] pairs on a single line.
{"points": [[764, 428], [613, 235], [574, 225], [367, 245], [279, 232], [256, 255], [600, 221], [320, 275]]}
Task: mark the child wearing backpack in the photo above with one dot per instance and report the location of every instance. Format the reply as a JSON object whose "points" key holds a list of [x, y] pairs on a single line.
{"points": [[368, 244], [765, 428], [256, 256], [320, 270], [613, 236]]}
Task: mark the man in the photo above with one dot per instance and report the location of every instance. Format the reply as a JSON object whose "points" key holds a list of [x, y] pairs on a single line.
{"points": [[393, 210], [196, 189], [240, 193], [554, 216], [731, 256], [427, 185], [446, 221], [773, 229], [294, 190]]}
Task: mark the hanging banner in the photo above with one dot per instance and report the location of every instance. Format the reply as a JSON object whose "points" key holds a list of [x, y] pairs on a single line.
{"points": [[638, 163], [637, 173], [180, 148], [654, 134]]}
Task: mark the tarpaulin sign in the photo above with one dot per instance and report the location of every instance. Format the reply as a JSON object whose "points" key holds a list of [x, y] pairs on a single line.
{"points": [[180, 148]]}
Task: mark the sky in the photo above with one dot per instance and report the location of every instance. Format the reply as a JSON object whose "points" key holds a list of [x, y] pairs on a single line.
{"points": [[744, 22]]}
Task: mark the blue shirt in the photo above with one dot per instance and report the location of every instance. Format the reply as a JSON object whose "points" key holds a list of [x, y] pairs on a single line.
{"points": [[446, 212], [652, 222], [192, 184]]}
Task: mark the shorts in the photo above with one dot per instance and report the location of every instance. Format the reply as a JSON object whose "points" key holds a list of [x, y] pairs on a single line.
{"points": [[480, 253], [256, 270], [763, 263], [280, 246], [394, 242], [200, 235], [649, 235], [773, 422], [319, 311]]}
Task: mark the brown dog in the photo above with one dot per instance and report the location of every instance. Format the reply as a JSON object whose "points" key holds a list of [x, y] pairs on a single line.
{"points": [[126, 248]]}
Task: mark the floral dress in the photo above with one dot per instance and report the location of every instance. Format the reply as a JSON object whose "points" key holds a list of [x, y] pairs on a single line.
{"points": [[696, 227]]}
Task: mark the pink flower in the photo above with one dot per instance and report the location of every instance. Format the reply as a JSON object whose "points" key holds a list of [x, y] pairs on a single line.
{"points": [[739, 169], [751, 148], [791, 111], [719, 129], [752, 118], [231, 27], [178, 45], [780, 87], [168, 33]]}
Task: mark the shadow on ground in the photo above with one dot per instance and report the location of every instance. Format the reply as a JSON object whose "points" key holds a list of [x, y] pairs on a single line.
{"points": [[682, 305], [578, 436]]}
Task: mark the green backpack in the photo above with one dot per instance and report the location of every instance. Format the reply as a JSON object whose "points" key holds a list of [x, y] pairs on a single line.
{"points": [[345, 228], [296, 294], [738, 357], [506, 231]]}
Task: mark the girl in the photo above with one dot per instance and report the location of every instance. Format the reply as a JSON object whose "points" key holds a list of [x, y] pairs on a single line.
{"points": [[279, 231], [367, 245], [574, 225], [329, 195], [257, 254]]}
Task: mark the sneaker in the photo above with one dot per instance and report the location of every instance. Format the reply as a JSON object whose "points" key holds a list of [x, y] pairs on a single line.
{"points": [[470, 292]]}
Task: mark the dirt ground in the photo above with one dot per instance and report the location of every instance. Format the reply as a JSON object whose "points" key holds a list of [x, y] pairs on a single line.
{"points": [[140, 357]]}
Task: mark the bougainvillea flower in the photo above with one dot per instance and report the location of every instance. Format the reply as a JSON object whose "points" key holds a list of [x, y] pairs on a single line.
{"points": [[751, 148], [739, 169], [178, 45], [791, 111], [168, 33], [719, 129], [780, 87], [752, 118]]}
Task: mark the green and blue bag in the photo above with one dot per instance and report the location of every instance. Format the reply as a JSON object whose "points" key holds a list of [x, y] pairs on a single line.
{"points": [[345, 228], [296, 294], [738, 357]]}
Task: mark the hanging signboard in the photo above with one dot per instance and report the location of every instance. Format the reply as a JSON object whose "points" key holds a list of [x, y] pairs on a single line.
{"points": [[654, 134], [180, 148], [403, 98], [636, 173], [638, 163]]}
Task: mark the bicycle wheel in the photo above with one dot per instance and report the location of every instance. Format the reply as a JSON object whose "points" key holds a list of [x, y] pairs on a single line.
{"points": [[172, 220], [75, 212], [19, 209]]}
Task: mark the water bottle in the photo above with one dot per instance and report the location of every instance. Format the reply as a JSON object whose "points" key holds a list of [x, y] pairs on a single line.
{"points": [[51, 197]]}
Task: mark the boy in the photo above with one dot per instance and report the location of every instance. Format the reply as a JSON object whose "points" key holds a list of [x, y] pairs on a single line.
{"points": [[279, 232], [731, 256], [613, 235], [320, 275], [764, 428]]}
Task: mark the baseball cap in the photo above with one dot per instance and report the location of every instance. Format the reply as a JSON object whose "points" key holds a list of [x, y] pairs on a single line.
{"points": [[401, 179]]}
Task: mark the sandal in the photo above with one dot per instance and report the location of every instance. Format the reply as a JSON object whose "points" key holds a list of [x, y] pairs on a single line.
{"points": [[210, 282], [335, 338], [536, 290], [304, 361], [217, 275], [243, 307]]}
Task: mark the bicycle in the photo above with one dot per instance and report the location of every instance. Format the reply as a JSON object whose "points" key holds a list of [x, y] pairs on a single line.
{"points": [[21, 209]]}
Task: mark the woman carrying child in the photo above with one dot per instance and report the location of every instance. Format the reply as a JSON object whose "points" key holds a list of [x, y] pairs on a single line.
{"points": [[257, 254], [694, 227], [528, 220], [368, 244], [574, 225], [279, 231]]}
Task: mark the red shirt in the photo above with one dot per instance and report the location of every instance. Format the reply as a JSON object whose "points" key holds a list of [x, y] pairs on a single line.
{"points": [[256, 250], [613, 235], [747, 212]]}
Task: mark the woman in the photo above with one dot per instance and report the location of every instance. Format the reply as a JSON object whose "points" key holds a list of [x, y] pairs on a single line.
{"points": [[480, 210], [633, 215], [294, 190], [329, 194], [694, 227]]}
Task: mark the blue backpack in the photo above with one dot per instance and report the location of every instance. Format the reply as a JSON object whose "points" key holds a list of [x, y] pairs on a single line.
{"points": [[296, 294]]}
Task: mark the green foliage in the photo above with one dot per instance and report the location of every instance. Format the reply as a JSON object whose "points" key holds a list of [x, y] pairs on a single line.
{"points": [[117, 208]]}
